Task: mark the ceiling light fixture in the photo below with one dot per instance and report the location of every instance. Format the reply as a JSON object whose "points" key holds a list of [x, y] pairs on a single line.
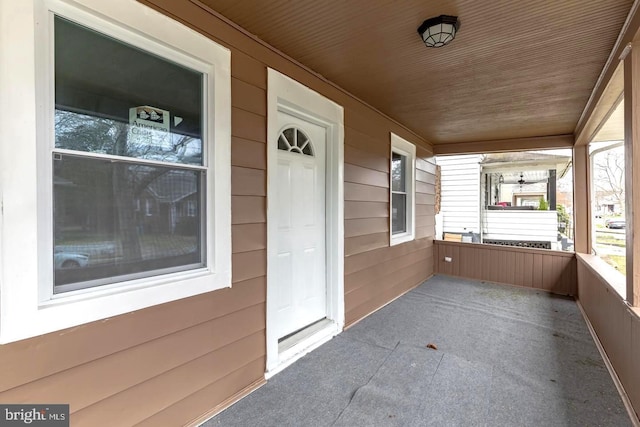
{"points": [[439, 31]]}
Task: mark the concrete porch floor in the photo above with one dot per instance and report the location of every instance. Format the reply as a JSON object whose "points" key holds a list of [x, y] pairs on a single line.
{"points": [[505, 356]]}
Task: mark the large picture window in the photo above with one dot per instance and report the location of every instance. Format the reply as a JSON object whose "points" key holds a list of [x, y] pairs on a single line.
{"points": [[127, 114], [403, 155], [128, 128]]}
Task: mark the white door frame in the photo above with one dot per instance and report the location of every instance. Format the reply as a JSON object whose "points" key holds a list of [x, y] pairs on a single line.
{"points": [[287, 95]]}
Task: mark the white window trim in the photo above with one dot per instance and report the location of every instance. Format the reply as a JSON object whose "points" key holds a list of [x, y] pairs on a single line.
{"points": [[27, 306], [405, 148]]}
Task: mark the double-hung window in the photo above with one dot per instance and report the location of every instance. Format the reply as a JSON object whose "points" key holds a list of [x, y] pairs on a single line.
{"points": [[403, 155], [131, 183]]}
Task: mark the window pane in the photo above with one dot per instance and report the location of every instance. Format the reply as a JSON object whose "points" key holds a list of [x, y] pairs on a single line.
{"points": [[398, 172], [117, 220], [608, 203], [112, 98], [398, 213]]}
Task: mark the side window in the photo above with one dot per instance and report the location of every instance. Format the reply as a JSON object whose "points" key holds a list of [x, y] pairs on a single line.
{"points": [[403, 155]]}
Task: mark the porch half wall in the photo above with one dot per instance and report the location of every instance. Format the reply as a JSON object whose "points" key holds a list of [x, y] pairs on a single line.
{"points": [[547, 270], [177, 363], [615, 323]]}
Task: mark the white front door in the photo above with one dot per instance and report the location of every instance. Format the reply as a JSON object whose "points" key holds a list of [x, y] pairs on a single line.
{"points": [[300, 266]]}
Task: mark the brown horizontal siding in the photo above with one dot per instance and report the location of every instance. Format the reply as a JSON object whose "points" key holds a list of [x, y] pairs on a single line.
{"points": [[122, 370], [425, 165], [248, 154], [425, 199], [359, 244], [363, 226], [365, 193], [400, 283], [248, 97], [249, 265], [367, 159], [425, 188], [548, 270], [425, 210], [248, 70], [426, 177], [353, 210], [368, 122], [363, 278], [29, 360], [425, 221], [396, 270], [247, 125], [249, 237], [172, 386], [200, 402], [360, 175], [248, 182], [355, 263], [428, 231], [379, 146], [246, 210]]}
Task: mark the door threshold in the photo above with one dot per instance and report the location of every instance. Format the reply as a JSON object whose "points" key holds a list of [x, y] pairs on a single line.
{"points": [[300, 343]]}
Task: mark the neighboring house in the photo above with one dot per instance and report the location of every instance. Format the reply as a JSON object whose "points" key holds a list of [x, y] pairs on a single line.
{"points": [[495, 198]]}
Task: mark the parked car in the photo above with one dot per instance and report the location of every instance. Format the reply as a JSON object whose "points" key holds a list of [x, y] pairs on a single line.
{"points": [[67, 260], [615, 223]]}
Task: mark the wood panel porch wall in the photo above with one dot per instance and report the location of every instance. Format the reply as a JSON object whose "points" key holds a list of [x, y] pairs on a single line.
{"points": [[614, 322], [551, 271], [173, 363]]}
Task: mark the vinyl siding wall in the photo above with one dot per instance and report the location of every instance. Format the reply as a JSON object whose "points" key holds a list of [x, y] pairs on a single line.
{"points": [[174, 363], [460, 193]]}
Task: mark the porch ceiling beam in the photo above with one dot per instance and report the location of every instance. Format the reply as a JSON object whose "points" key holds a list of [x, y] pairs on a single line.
{"points": [[501, 145], [609, 86]]}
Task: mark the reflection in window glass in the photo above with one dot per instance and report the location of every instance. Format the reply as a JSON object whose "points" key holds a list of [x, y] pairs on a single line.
{"points": [[398, 193], [112, 98], [99, 232], [608, 202], [398, 174], [522, 199]]}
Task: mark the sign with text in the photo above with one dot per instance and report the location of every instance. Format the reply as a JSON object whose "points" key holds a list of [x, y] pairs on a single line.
{"points": [[54, 415]]}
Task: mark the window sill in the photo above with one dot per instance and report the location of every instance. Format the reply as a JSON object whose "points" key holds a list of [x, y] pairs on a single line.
{"points": [[401, 238]]}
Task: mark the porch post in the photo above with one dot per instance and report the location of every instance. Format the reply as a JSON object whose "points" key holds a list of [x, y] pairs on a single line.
{"points": [[581, 190], [551, 189], [631, 58]]}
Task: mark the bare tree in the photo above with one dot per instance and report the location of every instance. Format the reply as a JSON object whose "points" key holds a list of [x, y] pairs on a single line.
{"points": [[609, 175]]}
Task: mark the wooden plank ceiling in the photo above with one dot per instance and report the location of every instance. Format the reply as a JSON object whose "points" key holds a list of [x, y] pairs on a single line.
{"points": [[516, 69]]}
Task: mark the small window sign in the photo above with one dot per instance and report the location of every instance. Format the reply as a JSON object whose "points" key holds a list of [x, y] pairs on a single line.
{"points": [[149, 117], [149, 126]]}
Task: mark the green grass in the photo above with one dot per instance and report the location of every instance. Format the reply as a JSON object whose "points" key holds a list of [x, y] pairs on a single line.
{"points": [[604, 239]]}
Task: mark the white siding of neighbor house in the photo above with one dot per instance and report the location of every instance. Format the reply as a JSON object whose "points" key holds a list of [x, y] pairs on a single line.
{"points": [[460, 193], [535, 226]]}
